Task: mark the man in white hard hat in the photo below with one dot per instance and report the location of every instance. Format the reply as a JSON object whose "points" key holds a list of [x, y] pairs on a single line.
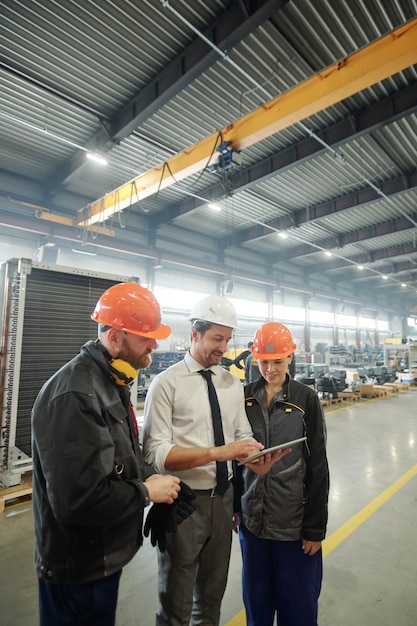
{"points": [[180, 438]]}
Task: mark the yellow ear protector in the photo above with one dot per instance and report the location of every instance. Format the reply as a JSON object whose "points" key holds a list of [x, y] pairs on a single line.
{"points": [[122, 371]]}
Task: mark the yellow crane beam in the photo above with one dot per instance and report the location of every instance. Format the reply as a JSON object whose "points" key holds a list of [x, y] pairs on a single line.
{"points": [[375, 62], [45, 214]]}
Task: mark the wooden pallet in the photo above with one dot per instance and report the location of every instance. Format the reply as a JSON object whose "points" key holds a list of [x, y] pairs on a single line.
{"points": [[350, 396], [367, 396], [382, 390], [401, 386], [17, 492], [329, 401], [391, 387]]}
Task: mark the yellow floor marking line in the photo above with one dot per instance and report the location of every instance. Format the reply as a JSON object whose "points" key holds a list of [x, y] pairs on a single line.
{"points": [[347, 529], [336, 538], [238, 620]]}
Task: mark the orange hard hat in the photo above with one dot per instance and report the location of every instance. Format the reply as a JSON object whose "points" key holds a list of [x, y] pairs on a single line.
{"points": [[272, 341], [132, 308]]}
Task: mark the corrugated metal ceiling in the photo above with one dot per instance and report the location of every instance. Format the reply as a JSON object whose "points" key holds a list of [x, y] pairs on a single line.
{"points": [[68, 69]]}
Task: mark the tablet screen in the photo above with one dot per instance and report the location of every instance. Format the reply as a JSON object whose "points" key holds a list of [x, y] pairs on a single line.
{"points": [[280, 446]]}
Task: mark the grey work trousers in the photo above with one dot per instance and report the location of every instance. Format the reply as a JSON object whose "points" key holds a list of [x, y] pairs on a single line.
{"points": [[193, 570]]}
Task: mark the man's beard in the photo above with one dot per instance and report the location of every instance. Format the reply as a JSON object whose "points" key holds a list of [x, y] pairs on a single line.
{"points": [[137, 361]]}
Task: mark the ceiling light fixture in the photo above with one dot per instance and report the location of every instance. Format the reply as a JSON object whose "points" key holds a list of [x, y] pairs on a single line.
{"points": [[328, 253], [96, 158], [385, 277], [214, 207], [403, 285], [360, 267], [283, 235]]}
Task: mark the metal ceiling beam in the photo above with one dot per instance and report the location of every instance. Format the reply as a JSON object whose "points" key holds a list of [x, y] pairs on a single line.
{"points": [[345, 204], [236, 23], [373, 63], [364, 258], [394, 268]]}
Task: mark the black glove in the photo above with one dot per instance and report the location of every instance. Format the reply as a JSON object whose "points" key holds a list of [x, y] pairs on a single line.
{"points": [[155, 524], [164, 518], [181, 508]]}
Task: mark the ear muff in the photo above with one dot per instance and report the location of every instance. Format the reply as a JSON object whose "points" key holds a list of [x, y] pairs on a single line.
{"points": [[122, 371]]}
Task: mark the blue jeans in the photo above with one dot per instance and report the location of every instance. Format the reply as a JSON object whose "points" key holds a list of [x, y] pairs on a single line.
{"points": [[278, 578], [85, 604]]}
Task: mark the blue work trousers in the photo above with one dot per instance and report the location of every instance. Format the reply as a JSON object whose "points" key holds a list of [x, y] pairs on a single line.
{"points": [[279, 579], [86, 604]]}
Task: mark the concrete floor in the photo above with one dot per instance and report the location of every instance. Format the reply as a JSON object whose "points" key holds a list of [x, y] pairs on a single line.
{"points": [[370, 552]]}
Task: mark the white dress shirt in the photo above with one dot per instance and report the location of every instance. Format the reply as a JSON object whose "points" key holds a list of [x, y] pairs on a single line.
{"points": [[177, 413]]}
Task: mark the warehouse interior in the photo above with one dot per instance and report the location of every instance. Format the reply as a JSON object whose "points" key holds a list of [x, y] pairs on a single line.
{"points": [[174, 96], [261, 149]]}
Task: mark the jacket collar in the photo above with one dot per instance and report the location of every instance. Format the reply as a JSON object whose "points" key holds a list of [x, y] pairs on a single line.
{"points": [[255, 387]]}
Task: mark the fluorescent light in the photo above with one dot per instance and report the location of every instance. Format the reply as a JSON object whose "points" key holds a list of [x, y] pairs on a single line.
{"points": [[403, 285], [96, 158], [283, 235], [214, 207], [385, 277], [360, 267], [328, 253]]}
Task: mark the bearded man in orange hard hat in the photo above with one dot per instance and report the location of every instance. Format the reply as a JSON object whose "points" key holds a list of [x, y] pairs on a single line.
{"points": [[90, 482]]}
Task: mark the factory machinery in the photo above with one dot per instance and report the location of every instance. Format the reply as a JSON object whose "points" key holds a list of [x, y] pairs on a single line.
{"points": [[329, 381], [160, 362]]}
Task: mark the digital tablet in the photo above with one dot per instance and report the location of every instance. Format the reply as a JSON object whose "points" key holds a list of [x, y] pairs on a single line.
{"points": [[287, 444]]}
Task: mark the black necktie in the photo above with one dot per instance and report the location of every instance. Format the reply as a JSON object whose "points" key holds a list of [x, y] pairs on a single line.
{"points": [[221, 471]]}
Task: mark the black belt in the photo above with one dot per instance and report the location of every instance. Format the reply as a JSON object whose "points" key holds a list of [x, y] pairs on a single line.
{"points": [[209, 492]]}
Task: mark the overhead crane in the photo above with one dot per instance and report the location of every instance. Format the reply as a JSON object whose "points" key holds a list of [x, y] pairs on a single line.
{"points": [[375, 62]]}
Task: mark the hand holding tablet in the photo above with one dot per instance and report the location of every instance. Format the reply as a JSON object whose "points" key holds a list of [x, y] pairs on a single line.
{"points": [[280, 446]]}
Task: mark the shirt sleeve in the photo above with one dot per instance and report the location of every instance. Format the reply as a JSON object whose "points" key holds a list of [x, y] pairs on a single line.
{"points": [[157, 423], [243, 429]]}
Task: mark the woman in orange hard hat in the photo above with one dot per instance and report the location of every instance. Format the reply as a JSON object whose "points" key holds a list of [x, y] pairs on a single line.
{"points": [[283, 513]]}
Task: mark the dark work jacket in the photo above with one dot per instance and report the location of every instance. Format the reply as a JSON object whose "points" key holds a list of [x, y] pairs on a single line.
{"points": [[290, 501], [88, 473]]}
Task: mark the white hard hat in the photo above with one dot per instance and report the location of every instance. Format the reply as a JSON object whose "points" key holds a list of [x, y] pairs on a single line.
{"points": [[216, 310]]}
